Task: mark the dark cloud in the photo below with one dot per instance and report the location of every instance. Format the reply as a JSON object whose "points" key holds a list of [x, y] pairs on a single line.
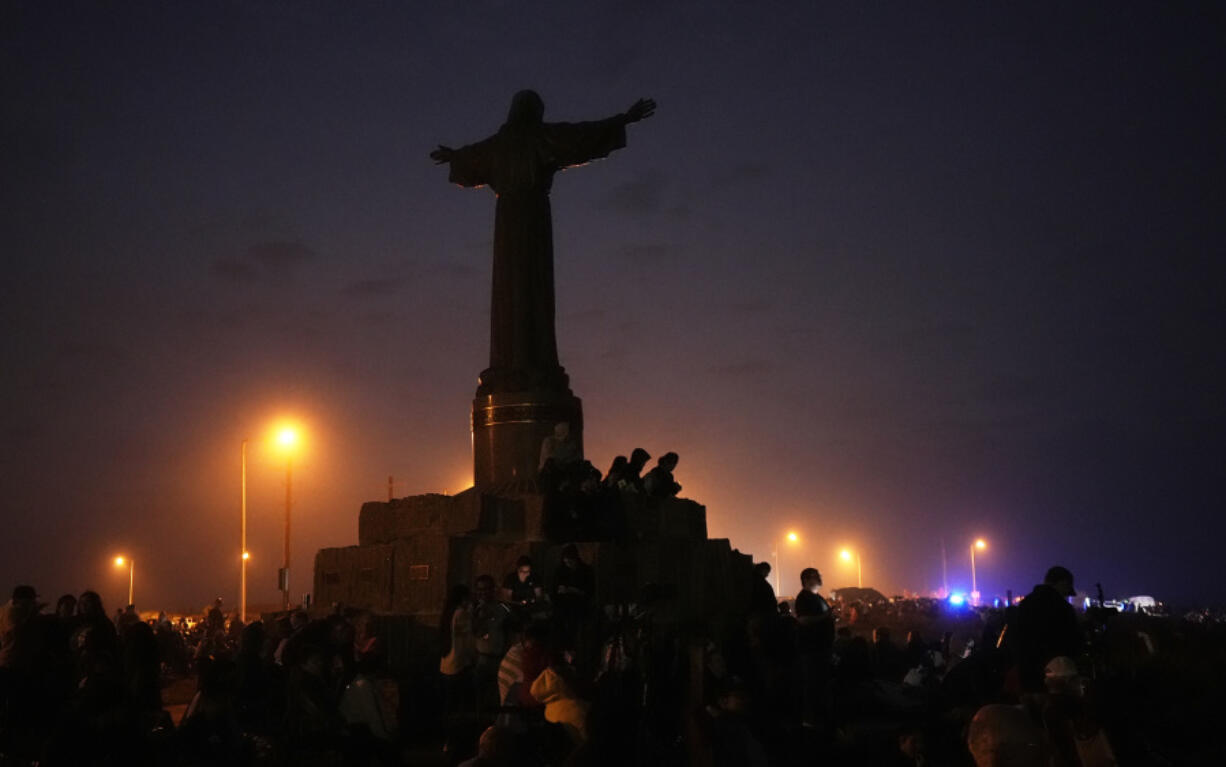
{"points": [[280, 257], [233, 270], [455, 269], [1013, 389], [648, 253], [751, 306], [272, 258], [584, 315], [378, 319], [257, 222], [373, 288], [739, 174], [746, 368], [642, 196], [91, 352]]}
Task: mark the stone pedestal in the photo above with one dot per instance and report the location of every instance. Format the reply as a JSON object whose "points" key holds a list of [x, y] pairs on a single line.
{"points": [[508, 429]]}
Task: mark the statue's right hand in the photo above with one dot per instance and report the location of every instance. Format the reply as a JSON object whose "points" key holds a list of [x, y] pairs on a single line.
{"points": [[442, 154], [640, 110]]}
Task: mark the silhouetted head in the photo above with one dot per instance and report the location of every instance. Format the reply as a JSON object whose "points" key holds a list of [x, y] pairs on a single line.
{"points": [[526, 109], [810, 579], [484, 588], [1061, 580], [523, 567], [570, 555], [762, 569], [90, 605], [668, 461], [66, 606], [639, 458], [252, 640]]}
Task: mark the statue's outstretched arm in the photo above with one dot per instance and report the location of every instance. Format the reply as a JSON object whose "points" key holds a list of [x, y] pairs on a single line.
{"points": [[640, 110]]}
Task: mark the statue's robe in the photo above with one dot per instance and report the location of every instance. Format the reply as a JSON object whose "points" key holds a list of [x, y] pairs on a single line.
{"points": [[518, 163]]}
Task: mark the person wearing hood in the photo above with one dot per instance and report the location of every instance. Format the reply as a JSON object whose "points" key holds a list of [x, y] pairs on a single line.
{"points": [[561, 705]]}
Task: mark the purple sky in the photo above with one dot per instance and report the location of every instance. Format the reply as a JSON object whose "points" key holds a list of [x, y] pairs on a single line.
{"points": [[879, 273]]}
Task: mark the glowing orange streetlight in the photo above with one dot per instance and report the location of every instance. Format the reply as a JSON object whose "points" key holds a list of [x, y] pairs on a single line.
{"points": [[242, 539], [287, 439], [131, 563], [980, 544], [847, 555]]}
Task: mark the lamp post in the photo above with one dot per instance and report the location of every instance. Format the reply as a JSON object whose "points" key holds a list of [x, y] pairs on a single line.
{"points": [[978, 544], [131, 563], [242, 546], [791, 538], [288, 437], [847, 555]]}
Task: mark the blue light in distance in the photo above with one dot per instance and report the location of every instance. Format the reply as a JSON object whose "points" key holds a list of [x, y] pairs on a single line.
{"points": [[957, 600]]}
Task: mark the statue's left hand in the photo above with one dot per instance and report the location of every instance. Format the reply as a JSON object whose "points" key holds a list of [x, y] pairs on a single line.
{"points": [[640, 110], [442, 154]]}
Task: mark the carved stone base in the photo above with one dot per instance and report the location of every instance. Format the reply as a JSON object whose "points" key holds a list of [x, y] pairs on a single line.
{"points": [[508, 429]]}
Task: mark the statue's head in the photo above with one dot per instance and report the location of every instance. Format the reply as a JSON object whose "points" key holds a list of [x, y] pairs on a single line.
{"points": [[526, 109]]}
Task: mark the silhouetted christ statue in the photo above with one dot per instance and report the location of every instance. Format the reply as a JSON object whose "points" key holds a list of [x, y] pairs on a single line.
{"points": [[524, 383]]}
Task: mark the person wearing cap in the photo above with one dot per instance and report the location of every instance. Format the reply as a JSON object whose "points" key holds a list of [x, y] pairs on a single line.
{"points": [[1046, 628]]}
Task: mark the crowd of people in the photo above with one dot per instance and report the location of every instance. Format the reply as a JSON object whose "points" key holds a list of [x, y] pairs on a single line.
{"points": [[78, 688], [788, 686], [532, 670]]}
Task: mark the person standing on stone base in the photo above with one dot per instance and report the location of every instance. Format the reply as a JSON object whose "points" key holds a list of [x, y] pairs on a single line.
{"points": [[573, 585], [560, 447], [522, 590], [459, 651], [489, 618]]}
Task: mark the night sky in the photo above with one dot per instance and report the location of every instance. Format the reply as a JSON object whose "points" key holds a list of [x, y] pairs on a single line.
{"points": [[880, 273]]}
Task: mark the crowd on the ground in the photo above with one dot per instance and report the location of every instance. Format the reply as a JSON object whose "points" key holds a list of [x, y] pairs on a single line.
{"points": [[531, 670]]}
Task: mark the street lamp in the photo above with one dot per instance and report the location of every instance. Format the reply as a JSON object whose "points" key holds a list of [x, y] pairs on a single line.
{"points": [[242, 545], [792, 538], [981, 545], [847, 555], [131, 563], [287, 437]]}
